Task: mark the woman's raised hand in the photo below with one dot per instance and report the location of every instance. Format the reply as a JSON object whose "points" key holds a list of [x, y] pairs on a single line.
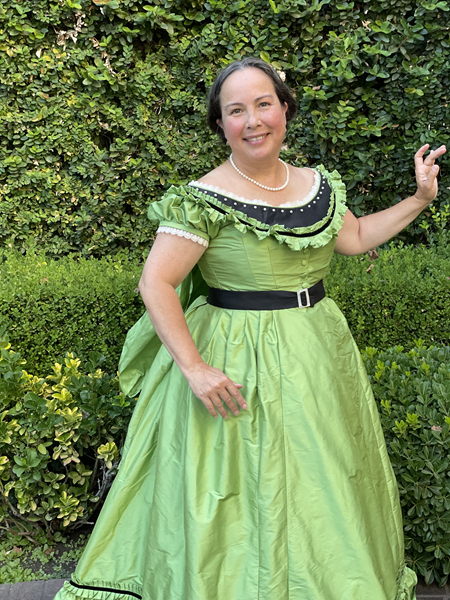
{"points": [[211, 386], [426, 173]]}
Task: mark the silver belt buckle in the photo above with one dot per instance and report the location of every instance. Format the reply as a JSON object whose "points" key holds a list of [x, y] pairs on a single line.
{"points": [[299, 298]]}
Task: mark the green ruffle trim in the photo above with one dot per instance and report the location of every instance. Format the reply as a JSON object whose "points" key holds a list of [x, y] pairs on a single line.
{"points": [[193, 208], [70, 592], [406, 584]]}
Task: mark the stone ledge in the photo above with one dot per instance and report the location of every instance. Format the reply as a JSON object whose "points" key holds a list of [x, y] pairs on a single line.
{"points": [[31, 590]]}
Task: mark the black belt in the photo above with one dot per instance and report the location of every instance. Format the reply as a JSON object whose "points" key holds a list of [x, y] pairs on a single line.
{"points": [[266, 300]]}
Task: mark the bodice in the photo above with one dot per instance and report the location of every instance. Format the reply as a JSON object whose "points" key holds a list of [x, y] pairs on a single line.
{"points": [[252, 245], [240, 261]]}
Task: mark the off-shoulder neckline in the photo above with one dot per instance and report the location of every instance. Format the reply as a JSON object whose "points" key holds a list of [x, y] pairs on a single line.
{"points": [[303, 202]]}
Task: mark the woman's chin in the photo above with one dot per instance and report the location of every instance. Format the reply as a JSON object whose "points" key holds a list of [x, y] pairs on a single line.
{"points": [[258, 152]]}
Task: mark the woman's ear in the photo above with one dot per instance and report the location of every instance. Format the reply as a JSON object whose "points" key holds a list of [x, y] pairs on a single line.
{"points": [[219, 123], [285, 109]]}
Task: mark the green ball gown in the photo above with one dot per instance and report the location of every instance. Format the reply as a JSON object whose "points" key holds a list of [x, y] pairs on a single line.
{"points": [[293, 499]]}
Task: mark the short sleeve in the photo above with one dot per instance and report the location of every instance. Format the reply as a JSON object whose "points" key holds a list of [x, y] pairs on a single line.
{"points": [[179, 212]]}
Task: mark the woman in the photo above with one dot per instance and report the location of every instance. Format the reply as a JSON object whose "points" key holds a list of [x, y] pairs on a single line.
{"points": [[293, 497]]}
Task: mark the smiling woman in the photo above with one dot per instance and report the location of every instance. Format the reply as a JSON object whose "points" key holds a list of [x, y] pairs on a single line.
{"points": [[214, 100], [293, 498]]}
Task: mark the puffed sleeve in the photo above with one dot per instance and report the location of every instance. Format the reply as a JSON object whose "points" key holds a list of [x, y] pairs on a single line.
{"points": [[179, 212]]}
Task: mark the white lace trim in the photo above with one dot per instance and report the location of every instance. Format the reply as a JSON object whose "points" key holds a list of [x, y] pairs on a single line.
{"points": [[302, 202], [185, 234]]}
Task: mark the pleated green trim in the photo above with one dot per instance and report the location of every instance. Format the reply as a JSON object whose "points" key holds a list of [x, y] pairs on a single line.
{"points": [[195, 208], [406, 584], [70, 592]]}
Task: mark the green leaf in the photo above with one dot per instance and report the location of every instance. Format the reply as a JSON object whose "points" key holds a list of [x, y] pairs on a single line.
{"points": [[168, 27], [18, 470], [274, 7]]}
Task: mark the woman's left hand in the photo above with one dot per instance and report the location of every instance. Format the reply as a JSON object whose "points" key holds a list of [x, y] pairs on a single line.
{"points": [[426, 173]]}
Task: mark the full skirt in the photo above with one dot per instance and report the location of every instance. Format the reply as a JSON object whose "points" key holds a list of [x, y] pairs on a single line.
{"points": [[293, 499]]}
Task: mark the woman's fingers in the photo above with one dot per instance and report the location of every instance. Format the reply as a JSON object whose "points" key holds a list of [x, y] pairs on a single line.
{"points": [[418, 155], [214, 388], [233, 388], [429, 160], [225, 395], [210, 406], [426, 173], [215, 399], [431, 168]]}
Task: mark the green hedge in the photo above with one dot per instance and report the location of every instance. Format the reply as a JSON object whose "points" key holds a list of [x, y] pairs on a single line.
{"points": [[401, 296], [60, 442], [102, 105], [413, 396], [80, 305]]}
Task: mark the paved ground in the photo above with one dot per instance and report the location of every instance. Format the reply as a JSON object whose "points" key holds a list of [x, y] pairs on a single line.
{"points": [[46, 590], [31, 590]]}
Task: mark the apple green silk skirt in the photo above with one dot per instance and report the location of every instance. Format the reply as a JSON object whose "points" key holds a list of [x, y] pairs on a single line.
{"points": [[294, 499]]}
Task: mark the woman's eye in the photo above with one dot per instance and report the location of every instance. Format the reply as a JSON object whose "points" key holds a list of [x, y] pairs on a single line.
{"points": [[235, 110], [266, 103]]}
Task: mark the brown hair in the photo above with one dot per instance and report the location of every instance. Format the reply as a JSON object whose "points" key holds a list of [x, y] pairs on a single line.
{"points": [[283, 92]]}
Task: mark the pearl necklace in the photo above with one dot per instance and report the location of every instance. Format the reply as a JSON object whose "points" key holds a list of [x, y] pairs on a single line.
{"points": [[260, 184]]}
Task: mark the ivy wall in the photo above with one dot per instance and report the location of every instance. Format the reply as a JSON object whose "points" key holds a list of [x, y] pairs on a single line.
{"points": [[102, 104]]}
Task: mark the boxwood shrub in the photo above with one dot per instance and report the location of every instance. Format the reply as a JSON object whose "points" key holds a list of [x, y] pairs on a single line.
{"points": [[412, 389], [401, 296], [80, 305], [60, 442]]}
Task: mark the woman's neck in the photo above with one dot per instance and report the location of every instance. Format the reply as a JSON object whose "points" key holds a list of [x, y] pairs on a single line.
{"points": [[269, 171]]}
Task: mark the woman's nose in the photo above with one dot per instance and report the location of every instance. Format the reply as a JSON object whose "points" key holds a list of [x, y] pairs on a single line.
{"points": [[252, 119]]}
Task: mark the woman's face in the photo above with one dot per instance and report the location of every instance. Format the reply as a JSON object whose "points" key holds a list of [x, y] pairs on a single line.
{"points": [[253, 118]]}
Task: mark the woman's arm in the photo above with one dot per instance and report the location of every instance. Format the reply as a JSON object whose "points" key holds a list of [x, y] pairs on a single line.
{"points": [[170, 260], [360, 235]]}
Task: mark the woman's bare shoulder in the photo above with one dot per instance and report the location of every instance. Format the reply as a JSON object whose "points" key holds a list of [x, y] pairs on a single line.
{"points": [[213, 177]]}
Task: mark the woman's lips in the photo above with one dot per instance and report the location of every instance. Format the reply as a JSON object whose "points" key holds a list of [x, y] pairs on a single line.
{"points": [[256, 139]]}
